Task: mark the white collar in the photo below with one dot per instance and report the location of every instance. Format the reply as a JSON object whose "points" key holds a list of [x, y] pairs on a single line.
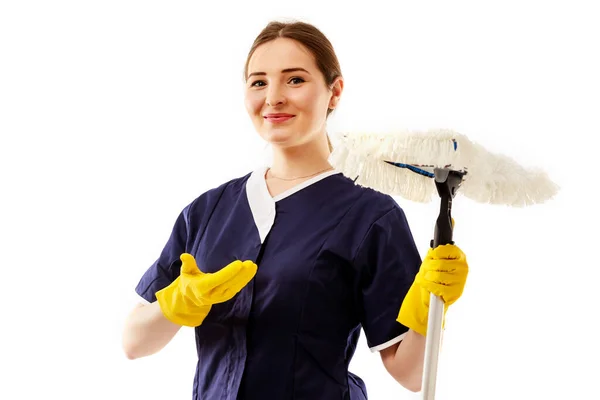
{"points": [[262, 204]]}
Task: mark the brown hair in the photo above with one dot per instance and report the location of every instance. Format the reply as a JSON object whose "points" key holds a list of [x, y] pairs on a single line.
{"points": [[312, 38]]}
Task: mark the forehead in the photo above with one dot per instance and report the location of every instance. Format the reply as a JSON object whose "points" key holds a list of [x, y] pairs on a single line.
{"points": [[279, 54]]}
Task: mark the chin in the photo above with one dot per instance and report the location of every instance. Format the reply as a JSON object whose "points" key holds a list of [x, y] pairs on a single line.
{"points": [[279, 136]]}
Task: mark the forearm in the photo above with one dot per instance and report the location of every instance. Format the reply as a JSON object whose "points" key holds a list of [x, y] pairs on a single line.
{"points": [[406, 366], [147, 331]]}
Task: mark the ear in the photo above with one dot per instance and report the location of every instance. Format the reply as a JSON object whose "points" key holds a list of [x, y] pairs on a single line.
{"points": [[336, 92]]}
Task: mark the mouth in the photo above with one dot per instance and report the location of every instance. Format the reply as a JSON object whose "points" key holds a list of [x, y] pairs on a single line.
{"points": [[278, 118]]}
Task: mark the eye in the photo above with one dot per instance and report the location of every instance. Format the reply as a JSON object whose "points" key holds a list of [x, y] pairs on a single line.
{"points": [[257, 83], [296, 80]]}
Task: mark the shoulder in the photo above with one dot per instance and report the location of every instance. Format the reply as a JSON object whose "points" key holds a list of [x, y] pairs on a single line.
{"points": [[367, 211], [372, 222], [211, 197], [369, 203]]}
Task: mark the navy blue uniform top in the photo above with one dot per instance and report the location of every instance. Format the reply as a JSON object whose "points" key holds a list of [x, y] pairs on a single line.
{"points": [[332, 257]]}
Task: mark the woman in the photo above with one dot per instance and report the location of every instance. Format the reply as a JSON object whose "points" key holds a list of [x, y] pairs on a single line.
{"points": [[322, 257]]}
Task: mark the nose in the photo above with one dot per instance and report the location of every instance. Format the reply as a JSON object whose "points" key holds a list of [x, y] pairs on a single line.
{"points": [[275, 96]]}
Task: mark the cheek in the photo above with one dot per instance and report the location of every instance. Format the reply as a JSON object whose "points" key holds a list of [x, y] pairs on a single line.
{"points": [[253, 103], [311, 102]]}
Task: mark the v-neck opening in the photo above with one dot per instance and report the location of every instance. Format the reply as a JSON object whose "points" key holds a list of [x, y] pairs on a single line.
{"points": [[300, 186], [262, 204]]}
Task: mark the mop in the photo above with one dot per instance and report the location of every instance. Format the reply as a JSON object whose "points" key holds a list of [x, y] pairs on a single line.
{"points": [[417, 164]]}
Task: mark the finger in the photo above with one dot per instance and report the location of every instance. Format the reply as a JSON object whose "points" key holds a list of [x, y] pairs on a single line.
{"points": [[426, 296], [221, 294], [230, 271], [240, 280], [448, 293], [230, 288], [457, 266], [250, 264], [443, 278], [428, 288], [432, 288], [210, 281], [446, 252], [189, 266]]}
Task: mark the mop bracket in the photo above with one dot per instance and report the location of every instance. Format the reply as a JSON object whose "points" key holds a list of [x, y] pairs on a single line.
{"points": [[447, 182]]}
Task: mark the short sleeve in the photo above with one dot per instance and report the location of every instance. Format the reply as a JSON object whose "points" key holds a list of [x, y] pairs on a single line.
{"points": [[388, 261], [185, 235], [167, 267]]}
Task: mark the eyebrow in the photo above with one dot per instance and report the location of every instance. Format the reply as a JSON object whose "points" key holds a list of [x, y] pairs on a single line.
{"points": [[283, 71]]}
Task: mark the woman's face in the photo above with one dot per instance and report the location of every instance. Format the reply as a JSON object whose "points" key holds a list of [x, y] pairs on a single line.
{"points": [[286, 95]]}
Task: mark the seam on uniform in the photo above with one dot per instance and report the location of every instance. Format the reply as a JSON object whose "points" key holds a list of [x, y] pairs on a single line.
{"points": [[301, 316], [196, 244], [201, 234], [312, 268], [359, 248]]}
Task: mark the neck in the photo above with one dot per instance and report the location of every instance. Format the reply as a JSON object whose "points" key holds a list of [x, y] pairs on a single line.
{"points": [[305, 159]]}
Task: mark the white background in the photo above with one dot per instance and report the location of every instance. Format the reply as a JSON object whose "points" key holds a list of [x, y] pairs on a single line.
{"points": [[116, 114]]}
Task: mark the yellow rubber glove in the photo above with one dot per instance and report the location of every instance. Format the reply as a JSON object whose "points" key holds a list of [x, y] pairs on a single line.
{"points": [[189, 298], [444, 273]]}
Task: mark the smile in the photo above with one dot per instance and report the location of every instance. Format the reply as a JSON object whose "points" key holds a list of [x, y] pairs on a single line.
{"points": [[277, 119]]}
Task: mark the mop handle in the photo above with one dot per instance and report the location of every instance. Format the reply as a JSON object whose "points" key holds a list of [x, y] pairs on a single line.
{"points": [[432, 346], [446, 182], [433, 339]]}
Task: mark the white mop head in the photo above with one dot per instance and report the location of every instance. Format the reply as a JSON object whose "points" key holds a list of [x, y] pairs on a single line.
{"points": [[491, 178]]}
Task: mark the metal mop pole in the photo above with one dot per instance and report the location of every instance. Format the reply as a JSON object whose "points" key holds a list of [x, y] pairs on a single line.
{"points": [[447, 182]]}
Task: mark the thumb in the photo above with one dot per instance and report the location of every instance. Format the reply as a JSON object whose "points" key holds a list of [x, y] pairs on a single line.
{"points": [[189, 265]]}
